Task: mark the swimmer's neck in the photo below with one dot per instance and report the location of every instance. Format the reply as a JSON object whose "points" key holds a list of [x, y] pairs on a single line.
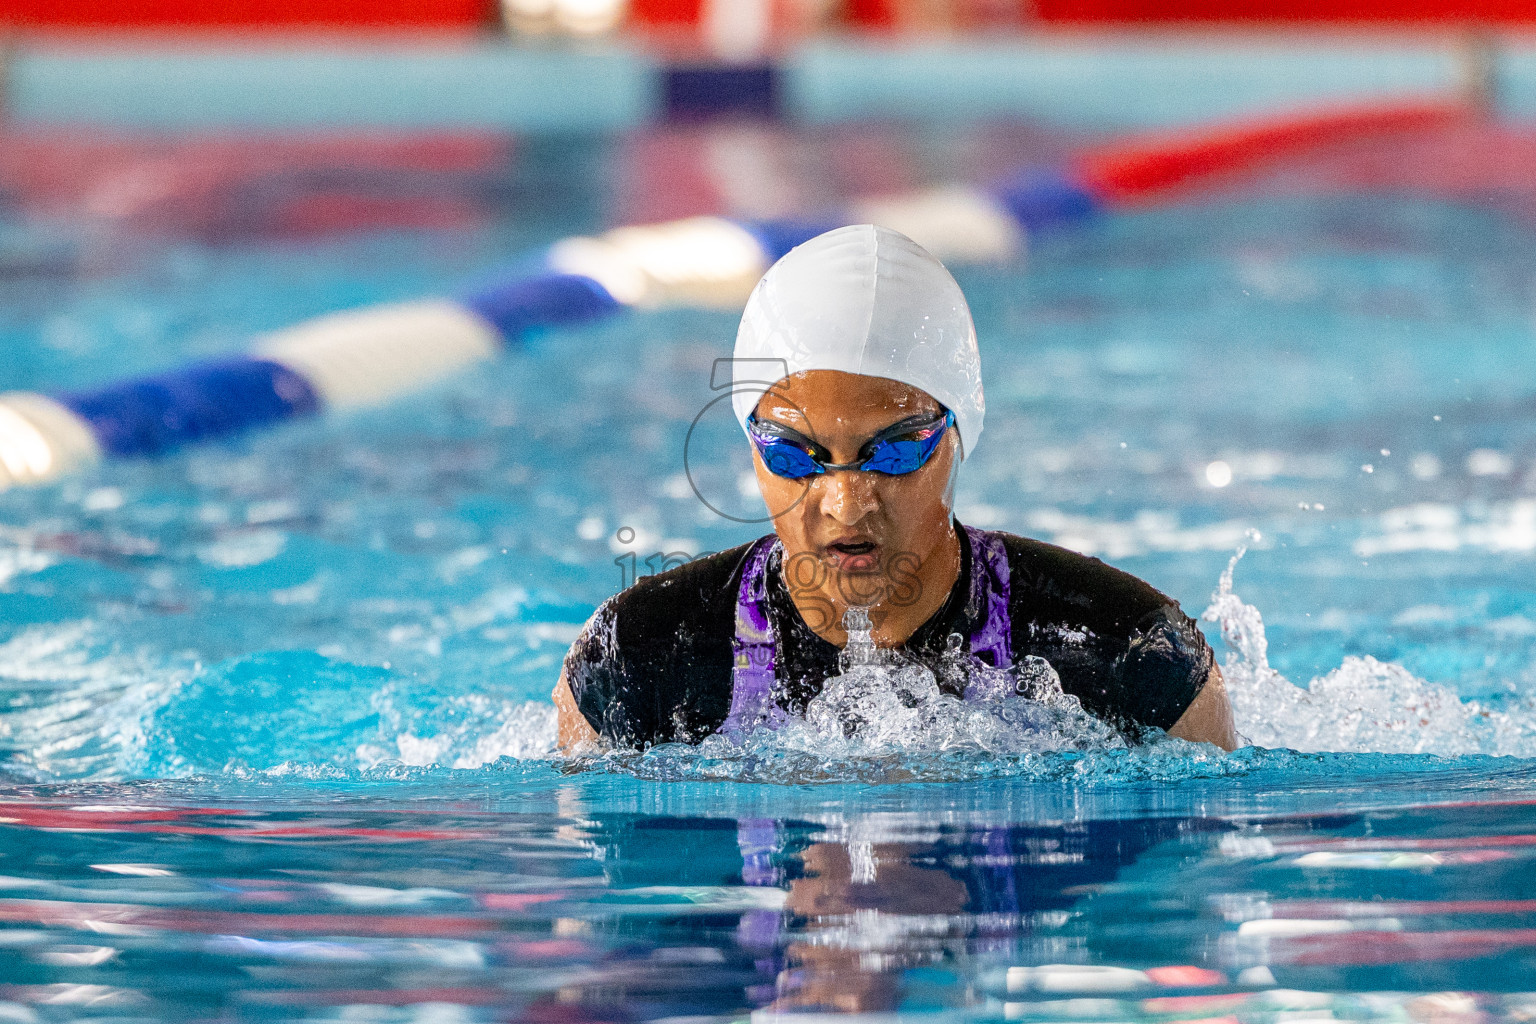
{"points": [[895, 620]]}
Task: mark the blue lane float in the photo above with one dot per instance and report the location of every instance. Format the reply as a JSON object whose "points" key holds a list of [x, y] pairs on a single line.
{"points": [[369, 356], [1044, 198], [519, 306], [157, 414]]}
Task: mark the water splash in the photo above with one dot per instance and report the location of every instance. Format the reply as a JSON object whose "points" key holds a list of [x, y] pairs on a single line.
{"points": [[885, 718], [487, 731], [883, 702], [1363, 706], [73, 707]]}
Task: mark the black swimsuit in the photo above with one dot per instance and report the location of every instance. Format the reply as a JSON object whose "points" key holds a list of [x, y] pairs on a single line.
{"points": [[655, 663]]}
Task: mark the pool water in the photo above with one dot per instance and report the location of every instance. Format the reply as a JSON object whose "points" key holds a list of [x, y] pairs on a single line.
{"points": [[274, 714]]}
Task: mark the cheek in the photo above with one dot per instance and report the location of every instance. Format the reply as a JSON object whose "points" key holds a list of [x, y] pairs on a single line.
{"points": [[779, 494], [921, 496]]}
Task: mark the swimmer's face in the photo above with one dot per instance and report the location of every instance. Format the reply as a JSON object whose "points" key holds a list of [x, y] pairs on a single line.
{"points": [[852, 521]]}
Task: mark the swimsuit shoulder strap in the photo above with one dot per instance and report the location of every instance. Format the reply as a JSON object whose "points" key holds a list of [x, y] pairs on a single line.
{"points": [[990, 592], [754, 647]]}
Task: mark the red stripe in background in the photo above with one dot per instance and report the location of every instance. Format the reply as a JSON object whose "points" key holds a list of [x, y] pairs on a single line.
{"points": [[879, 15], [1127, 172], [224, 186], [1399, 12], [374, 14], [666, 13], [1362, 949]]}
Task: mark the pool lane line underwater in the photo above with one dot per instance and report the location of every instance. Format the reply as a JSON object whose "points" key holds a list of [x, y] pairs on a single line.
{"points": [[361, 358]]}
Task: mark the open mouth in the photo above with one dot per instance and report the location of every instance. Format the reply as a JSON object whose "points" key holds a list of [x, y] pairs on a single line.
{"points": [[853, 556]]}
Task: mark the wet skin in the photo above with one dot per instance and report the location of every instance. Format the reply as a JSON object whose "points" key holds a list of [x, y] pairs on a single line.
{"points": [[854, 537], [886, 542]]}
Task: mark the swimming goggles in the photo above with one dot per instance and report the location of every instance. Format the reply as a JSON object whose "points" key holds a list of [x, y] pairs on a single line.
{"points": [[898, 449]]}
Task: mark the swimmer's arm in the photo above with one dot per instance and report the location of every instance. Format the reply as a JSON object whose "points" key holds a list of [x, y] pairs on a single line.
{"points": [[573, 731], [1208, 719]]}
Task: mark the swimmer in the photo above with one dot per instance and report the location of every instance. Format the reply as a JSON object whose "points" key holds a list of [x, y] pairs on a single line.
{"points": [[857, 439]]}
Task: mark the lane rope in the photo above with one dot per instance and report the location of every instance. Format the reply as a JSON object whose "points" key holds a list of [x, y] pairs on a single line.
{"points": [[361, 358]]}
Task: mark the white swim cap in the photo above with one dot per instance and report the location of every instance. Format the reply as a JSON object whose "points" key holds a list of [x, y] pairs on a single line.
{"points": [[868, 300]]}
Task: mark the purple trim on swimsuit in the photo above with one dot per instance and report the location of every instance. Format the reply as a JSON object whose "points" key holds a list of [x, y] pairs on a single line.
{"points": [[754, 657], [758, 839], [990, 591], [754, 648], [760, 929]]}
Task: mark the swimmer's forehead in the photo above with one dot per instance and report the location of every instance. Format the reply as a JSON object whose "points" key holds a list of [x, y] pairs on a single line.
{"points": [[833, 399]]}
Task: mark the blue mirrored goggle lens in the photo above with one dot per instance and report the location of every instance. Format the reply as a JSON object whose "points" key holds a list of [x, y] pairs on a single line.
{"points": [[788, 460], [900, 455], [892, 456], [896, 458]]}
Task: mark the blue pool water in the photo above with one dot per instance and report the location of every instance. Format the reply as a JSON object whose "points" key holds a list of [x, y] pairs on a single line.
{"points": [[274, 715]]}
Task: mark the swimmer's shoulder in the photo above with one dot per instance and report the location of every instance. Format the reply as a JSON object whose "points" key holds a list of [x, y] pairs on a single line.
{"points": [[1147, 660], [654, 662], [697, 595], [1050, 576]]}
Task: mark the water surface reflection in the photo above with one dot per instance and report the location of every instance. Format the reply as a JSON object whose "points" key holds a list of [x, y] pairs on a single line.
{"points": [[1408, 915]]}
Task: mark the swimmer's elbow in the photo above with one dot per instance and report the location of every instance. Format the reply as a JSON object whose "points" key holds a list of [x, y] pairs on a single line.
{"points": [[1208, 719]]}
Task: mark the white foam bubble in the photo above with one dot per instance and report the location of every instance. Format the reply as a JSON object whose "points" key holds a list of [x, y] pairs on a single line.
{"points": [[883, 705]]}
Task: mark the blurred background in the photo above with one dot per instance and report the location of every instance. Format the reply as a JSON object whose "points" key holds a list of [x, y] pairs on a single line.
{"points": [[769, 21], [1252, 278], [141, 115], [1297, 299]]}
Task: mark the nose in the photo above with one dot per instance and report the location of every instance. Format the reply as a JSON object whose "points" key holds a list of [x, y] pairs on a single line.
{"points": [[847, 496]]}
